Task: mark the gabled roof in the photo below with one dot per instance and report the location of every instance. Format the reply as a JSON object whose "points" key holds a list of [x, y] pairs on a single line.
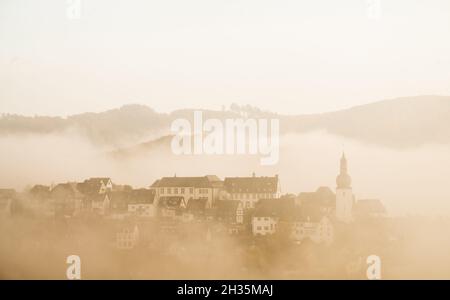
{"points": [[40, 190], [323, 196], [224, 208], [197, 182], [309, 214], [283, 208], [92, 185], [68, 189], [155, 184], [215, 181], [196, 205], [251, 184]]}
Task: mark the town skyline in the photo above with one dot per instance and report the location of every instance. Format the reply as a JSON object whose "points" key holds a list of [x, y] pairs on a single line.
{"points": [[224, 140], [250, 210]]}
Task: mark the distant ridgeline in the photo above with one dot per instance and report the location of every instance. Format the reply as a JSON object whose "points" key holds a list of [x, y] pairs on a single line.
{"points": [[398, 123]]}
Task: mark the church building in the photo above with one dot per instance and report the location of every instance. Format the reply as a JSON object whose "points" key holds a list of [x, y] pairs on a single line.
{"points": [[344, 195]]}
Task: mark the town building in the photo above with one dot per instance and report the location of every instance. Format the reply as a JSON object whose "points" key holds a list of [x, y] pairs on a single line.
{"points": [[39, 200], [141, 203], [195, 210], [118, 204], [344, 194], [66, 199], [249, 190], [270, 213], [230, 211], [206, 187], [230, 215], [316, 227], [98, 204], [95, 185], [127, 238], [171, 207], [323, 200]]}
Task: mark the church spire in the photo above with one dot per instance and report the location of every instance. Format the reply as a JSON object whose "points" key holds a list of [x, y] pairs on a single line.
{"points": [[343, 180], [343, 164]]}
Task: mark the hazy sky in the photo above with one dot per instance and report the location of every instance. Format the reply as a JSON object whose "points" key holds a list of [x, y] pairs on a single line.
{"points": [[288, 56]]}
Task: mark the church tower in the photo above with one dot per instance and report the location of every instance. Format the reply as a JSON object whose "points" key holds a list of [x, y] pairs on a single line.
{"points": [[344, 194]]}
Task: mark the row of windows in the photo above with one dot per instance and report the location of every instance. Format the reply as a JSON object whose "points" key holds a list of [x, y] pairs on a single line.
{"points": [[252, 196], [203, 191], [262, 218], [177, 190], [125, 244], [259, 228]]}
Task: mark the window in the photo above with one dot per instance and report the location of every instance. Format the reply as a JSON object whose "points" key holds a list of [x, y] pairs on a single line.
{"points": [[258, 227], [182, 190], [175, 190], [191, 190], [169, 190], [266, 219], [266, 227], [161, 190]]}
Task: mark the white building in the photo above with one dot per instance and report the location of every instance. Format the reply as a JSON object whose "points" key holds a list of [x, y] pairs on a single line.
{"points": [[206, 187], [271, 213], [249, 190], [317, 229], [141, 203], [344, 194], [263, 225]]}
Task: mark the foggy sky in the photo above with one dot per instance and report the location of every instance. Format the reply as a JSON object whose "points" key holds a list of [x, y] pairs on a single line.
{"points": [[285, 56]]}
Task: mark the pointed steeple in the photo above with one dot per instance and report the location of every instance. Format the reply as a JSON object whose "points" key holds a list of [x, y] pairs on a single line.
{"points": [[343, 180], [343, 164]]}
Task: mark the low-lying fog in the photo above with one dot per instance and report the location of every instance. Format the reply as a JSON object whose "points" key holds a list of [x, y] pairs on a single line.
{"points": [[412, 181]]}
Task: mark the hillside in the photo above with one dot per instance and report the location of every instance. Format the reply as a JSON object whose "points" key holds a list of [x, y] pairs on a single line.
{"points": [[398, 123]]}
